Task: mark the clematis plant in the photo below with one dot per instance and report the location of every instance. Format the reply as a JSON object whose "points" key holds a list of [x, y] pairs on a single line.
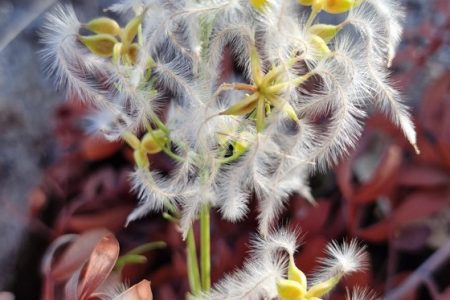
{"points": [[296, 107]]}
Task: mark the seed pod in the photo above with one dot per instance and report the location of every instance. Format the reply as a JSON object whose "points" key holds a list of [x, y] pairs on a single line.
{"points": [[133, 53], [317, 5], [338, 6], [325, 31], [323, 287], [259, 4], [305, 2], [245, 106], [103, 25], [130, 31], [153, 142], [296, 274], [100, 44], [319, 46], [290, 290]]}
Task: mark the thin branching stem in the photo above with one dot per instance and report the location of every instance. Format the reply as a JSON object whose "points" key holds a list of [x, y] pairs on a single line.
{"points": [[192, 263], [205, 250]]}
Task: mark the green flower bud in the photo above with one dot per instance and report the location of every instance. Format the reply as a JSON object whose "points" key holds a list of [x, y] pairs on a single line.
{"points": [[153, 142], [290, 290], [103, 25], [325, 31], [100, 44]]}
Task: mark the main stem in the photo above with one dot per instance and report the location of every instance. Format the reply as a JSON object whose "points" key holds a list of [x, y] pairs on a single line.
{"points": [[205, 248], [192, 264]]}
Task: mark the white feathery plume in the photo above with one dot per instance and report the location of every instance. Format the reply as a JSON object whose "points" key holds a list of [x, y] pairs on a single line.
{"points": [[375, 38], [341, 260], [154, 192], [66, 59], [258, 277], [359, 293]]}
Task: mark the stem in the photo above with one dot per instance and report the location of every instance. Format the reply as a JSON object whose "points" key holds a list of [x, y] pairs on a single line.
{"points": [[160, 124], [205, 250], [192, 264], [312, 16]]}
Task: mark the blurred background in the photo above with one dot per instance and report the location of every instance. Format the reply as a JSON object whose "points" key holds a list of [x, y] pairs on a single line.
{"points": [[56, 180]]}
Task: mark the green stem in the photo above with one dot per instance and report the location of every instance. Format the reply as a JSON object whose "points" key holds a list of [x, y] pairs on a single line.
{"points": [[160, 124], [312, 16], [205, 250], [192, 264]]}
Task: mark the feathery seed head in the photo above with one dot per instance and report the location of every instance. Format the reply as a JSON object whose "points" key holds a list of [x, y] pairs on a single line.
{"points": [[236, 135]]}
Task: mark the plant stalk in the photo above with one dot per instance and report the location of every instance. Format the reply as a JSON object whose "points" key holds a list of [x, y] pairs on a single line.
{"points": [[205, 250], [192, 264]]}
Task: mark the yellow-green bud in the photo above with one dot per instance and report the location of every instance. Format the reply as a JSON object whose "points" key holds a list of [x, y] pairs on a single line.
{"points": [[141, 159], [100, 44], [259, 4], [290, 290], [320, 47], [324, 287], [103, 25], [133, 53], [331, 6], [296, 274], [245, 106], [153, 142], [325, 31], [338, 6], [131, 29]]}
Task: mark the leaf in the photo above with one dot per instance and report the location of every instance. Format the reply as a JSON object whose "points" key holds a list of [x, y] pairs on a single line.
{"points": [[422, 177], [419, 206], [112, 219], [99, 266], [140, 291], [76, 254], [131, 29], [378, 232], [100, 44], [97, 148], [103, 25], [245, 106], [383, 179]]}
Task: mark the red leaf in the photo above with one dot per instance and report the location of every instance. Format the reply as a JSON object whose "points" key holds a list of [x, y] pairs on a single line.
{"points": [[383, 178], [140, 291], [112, 219], [425, 177], [378, 232], [97, 148], [76, 254], [420, 205], [99, 266]]}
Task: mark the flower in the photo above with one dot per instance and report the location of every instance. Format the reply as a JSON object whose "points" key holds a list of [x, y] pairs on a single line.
{"points": [[331, 6]]}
